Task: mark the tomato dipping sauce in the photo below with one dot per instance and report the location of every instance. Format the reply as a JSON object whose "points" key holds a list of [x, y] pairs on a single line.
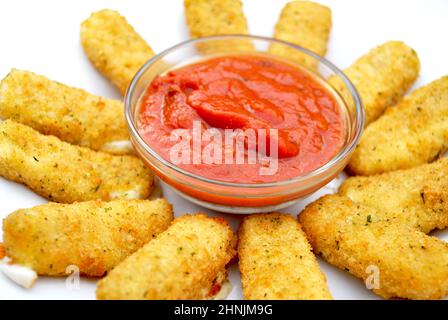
{"points": [[245, 92]]}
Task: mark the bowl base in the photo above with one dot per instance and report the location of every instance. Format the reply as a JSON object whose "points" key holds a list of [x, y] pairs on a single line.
{"points": [[233, 209]]}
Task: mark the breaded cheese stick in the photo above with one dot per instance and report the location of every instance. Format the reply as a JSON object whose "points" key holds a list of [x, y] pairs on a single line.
{"points": [[113, 47], [394, 259], [187, 261], [71, 114], [306, 24], [276, 261], [93, 235], [417, 197], [66, 173], [413, 132], [381, 77], [217, 17]]}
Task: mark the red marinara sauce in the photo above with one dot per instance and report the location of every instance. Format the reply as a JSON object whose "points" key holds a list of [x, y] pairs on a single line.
{"points": [[242, 92]]}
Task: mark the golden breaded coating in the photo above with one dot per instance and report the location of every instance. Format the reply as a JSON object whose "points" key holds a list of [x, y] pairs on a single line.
{"points": [[381, 77], [187, 261], [405, 262], [416, 197], [413, 132], [66, 173], [2, 251], [306, 24], [217, 17], [113, 47], [276, 261], [94, 235], [71, 114]]}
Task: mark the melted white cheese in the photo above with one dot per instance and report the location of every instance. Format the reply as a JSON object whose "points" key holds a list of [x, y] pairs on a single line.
{"points": [[21, 275], [127, 194], [120, 146]]}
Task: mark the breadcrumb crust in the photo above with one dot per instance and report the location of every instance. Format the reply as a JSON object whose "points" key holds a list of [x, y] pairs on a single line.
{"points": [[114, 47], [413, 132], [381, 77], [276, 261], [183, 262], [306, 24], [93, 235], [73, 115], [355, 238], [65, 173]]}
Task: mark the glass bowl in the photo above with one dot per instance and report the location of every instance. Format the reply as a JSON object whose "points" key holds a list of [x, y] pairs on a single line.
{"points": [[244, 197]]}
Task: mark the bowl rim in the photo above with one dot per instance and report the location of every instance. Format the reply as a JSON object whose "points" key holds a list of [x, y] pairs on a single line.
{"points": [[341, 155]]}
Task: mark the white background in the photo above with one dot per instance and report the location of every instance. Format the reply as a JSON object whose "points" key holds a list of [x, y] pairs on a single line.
{"points": [[43, 36]]}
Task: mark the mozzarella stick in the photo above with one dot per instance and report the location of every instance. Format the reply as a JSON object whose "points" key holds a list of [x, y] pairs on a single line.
{"points": [[113, 47], [94, 236], [187, 261], [417, 197], [394, 259], [276, 261], [381, 77], [413, 132], [62, 172], [217, 17], [306, 24], [71, 114]]}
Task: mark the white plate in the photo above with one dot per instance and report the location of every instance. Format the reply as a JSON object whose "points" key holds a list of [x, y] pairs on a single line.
{"points": [[43, 36]]}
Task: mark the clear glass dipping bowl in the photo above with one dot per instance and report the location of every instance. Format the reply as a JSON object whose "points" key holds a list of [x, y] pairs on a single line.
{"points": [[243, 198]]}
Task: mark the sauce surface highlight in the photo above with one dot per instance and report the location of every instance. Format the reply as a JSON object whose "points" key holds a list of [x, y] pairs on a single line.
{"points": [[245, 92]]}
